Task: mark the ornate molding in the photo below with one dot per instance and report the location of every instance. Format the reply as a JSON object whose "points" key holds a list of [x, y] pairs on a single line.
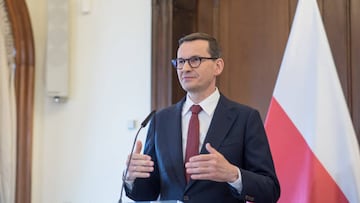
{"points": [[24, 84]]}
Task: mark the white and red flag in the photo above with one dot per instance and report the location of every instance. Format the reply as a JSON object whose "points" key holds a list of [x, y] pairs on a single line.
{"points": [[312, 139]]}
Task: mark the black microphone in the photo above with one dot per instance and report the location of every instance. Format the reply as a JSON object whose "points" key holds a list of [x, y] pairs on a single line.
{"points": [[143, 124]]}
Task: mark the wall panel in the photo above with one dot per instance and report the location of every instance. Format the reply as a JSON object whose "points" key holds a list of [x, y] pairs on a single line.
{"points": [[253, 35]]}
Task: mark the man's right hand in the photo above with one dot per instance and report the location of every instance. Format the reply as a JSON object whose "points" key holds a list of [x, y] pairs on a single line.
{"points": [[140, 164]]}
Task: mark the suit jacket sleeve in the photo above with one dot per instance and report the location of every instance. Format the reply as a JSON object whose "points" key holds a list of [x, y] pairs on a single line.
{"points": [[145, 189], [259, 180]]}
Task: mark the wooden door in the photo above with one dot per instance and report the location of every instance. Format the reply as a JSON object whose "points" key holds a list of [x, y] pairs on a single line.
{"points": [[253, 36]]}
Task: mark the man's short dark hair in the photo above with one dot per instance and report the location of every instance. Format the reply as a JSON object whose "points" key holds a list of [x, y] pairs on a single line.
{"points": [[214, 48]]}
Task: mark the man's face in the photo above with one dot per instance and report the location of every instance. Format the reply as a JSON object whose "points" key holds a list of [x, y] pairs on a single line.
{"points": [[200, 79]]}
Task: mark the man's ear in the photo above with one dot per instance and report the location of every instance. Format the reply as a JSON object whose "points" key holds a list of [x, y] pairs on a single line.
{"points": [[219, 63]]}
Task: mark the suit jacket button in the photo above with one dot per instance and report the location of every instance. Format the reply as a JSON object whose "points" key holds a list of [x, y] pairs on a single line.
{"points": [[186, 198], [249, 198]]}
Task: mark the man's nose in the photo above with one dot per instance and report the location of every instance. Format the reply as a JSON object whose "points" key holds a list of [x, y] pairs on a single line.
{"points": [[187, 66]]}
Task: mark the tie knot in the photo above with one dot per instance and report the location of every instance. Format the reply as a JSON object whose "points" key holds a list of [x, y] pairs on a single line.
{"points": [[195, 109]]}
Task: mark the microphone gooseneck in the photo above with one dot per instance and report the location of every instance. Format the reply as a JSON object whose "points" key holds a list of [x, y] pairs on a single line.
{"points": [[147, 119], [143, 124]]}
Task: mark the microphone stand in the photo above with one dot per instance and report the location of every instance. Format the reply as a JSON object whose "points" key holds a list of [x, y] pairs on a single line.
{"points": [[143, 124]]}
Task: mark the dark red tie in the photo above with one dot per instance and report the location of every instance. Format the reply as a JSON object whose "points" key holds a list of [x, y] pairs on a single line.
{"points": [[192, 144]]}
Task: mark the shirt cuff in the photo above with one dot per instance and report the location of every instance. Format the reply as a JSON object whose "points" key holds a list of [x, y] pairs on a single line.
{"points": [[129, 183], [237, 184]]}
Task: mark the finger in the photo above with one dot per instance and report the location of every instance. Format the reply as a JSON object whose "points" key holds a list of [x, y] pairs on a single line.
{"points": [[140, 157], [201, 162], [132, 175], [138, 147], [201, 157], [141, 160], [199, 169], [142, 169], [205, 157], [211, 149], [134, 157], [135, 175]]}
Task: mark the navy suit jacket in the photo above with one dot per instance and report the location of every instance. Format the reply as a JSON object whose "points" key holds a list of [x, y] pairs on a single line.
{"points": [[236, 131]]}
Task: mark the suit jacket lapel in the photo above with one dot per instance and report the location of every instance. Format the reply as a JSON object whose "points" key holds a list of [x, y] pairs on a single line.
{"points": [[175, 145], [220, 125]]}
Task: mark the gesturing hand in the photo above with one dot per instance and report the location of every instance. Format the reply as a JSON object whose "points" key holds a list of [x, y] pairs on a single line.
{"points": [[212, 166], [140, 164]]}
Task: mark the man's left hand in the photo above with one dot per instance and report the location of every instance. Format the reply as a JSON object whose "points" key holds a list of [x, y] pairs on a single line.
{"points": [[212, 166]]}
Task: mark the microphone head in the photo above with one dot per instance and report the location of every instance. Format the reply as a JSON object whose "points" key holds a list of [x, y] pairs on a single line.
{"points": [[147, 119]]}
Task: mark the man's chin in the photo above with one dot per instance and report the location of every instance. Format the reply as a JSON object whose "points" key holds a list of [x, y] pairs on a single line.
{"points": [[190, 89]]}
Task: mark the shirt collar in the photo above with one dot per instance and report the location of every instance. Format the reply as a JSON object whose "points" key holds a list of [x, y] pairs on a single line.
{"points": [[208, 105]]}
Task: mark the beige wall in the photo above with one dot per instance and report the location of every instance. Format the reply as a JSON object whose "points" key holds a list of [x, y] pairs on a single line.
{"points": [[80, 146]]}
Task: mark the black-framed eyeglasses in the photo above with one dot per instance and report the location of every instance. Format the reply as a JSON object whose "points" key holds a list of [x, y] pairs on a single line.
{"points": [[193, 61]]}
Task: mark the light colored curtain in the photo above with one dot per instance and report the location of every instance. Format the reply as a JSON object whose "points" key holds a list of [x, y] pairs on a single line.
{"points": [[7, 111]]}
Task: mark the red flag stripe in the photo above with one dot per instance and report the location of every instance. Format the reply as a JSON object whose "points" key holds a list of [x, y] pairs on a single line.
{"points": [[301, 175]]}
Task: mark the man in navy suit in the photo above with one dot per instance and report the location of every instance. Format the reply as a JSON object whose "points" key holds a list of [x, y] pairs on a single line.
{"points": [[234, 163]]}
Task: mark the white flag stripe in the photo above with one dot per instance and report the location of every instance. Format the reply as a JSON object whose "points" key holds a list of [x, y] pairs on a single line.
{"points": [[309, 91]]}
